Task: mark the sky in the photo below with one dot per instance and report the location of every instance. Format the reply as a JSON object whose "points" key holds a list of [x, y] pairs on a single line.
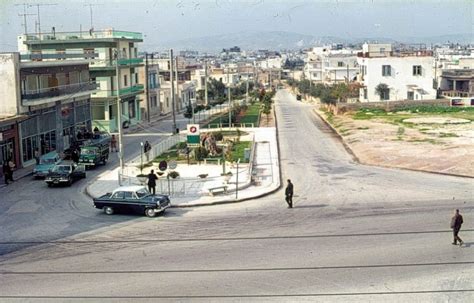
{"points": [[165, 20]]}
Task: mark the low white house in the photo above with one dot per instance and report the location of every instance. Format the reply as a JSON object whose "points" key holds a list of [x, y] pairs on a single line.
{"points": [[388, 75]]}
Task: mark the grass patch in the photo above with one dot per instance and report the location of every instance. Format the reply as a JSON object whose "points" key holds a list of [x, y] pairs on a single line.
{"points": [[447, 135], [238, 151]]}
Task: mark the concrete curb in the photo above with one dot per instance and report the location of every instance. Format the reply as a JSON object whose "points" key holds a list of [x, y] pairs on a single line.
{"points": [[355, 158], [16, 178]]}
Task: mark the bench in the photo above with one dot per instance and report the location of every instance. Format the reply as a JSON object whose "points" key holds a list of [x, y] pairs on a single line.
{"points": [[213, 190], [218, 160]]}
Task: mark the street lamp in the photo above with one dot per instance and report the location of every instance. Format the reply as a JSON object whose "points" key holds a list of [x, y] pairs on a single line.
{"points": [[141, 157]]}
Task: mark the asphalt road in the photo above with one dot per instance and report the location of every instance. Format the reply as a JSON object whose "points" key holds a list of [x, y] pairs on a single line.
{"points": [[357, 233]]}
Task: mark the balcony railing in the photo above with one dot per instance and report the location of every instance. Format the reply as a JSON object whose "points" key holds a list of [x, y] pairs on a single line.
{"points": [[86, 35], [110, 64], [455, 93], [56, 91], [58, 56], [138, 88]]}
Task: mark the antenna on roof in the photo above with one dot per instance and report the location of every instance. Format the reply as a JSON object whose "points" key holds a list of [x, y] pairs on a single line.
{"points": [[38, 13], [25, 26], [90, 5]]}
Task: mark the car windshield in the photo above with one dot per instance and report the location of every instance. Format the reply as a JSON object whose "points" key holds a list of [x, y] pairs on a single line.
{"points": [[142, 193], [47, 161], [88, 151], [61, 169]]}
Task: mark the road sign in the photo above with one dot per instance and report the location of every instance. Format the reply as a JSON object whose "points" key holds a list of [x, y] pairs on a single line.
{"points": [[163, 165], [173, 164], [193, 130]]}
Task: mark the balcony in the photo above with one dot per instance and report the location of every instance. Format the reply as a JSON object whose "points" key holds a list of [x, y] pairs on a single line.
{"points": [[57, 92], [85, 35], [455, 94], [25, 57], [127, 91], [110, 65]]}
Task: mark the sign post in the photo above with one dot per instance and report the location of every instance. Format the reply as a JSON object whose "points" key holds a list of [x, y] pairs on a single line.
{"points": [[193, 134]]}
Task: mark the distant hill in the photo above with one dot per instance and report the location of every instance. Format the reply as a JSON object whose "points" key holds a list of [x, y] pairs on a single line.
{"points": [[279, 40]]}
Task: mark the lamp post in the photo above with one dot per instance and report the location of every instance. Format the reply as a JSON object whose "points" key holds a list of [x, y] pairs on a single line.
{"points": [[141, 157]]}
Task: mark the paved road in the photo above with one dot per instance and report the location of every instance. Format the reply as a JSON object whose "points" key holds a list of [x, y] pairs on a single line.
{"points": [[357, 233]]}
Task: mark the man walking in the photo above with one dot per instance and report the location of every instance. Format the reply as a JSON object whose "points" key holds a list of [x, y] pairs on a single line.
{"points": [[146, 149], [289, 194], [152, 177], [456, 222]]}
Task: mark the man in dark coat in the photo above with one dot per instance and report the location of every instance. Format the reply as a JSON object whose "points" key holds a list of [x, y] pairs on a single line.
{"points": [[152, 177], [289, 194], [456, 222], [6, 171]]}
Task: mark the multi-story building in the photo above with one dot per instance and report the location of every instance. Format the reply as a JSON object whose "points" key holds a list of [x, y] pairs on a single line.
{"points": [[52, 97], [458, 86], [111, 54], [323, 64], [395, 75], [151, 96]]}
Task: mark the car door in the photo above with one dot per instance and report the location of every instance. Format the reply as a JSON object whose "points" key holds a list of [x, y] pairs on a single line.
{"points": [[132, 201], [118, 201]]}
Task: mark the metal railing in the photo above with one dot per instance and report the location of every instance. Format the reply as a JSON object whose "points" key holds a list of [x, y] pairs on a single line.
{"points": [[85, 35], [56, 91]]}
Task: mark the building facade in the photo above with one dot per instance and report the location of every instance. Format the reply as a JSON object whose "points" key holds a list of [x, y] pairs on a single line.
{"points": [[395, 75], [53, 99], [111, 54]]}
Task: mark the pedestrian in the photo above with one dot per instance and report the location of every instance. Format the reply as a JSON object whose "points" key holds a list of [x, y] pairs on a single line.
{"points": [[146, 149], [456, 222], [113, 144], [289, 194], [37, 156], [152, 177], [6, 172], [11, 165]]}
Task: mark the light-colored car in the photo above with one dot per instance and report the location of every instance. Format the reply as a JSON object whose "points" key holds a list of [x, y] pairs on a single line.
{"points": [[46, 164]]}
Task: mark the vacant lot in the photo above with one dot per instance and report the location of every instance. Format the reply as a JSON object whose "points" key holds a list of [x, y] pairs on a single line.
{"points": [[436, 139]]}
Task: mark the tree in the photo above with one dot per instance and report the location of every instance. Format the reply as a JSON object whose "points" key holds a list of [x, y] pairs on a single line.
{"points": [[340, 92], [382, 90]]}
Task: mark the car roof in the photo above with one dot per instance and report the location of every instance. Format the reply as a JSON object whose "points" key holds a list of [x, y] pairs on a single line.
{"points": [[50, 155], [133, 188]]}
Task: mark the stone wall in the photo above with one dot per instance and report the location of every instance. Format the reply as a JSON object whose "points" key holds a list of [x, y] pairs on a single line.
{"points": [[341, 108]]}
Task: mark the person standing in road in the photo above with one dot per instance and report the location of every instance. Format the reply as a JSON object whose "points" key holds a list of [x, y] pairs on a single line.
{"points": [[146, 149], [289, 194], [152, 177], [456, 222], [113, 144], [11, 165], [37, 156], [6, 172]]}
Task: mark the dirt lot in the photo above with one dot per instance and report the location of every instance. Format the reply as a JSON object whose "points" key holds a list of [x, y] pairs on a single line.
{"points": [[428, 140]]}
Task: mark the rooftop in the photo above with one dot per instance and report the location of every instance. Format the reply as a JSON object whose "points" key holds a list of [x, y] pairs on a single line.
{"points": [[85, 36]]}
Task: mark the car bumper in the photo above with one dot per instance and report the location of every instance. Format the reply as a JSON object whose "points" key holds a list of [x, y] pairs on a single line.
{"points": [[55, 181], [162, 208], [40, 174]]}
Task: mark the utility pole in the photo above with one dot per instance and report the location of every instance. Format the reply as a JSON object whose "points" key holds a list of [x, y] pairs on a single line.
{"points": [[25, 25], [147, 87], [228, 93], [172, 91], [38, 14], [205, 84], [178, 104], [119, 107]]}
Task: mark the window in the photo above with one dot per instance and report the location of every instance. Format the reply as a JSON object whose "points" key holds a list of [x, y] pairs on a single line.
{"points": [[386, 70], [125, 82], [385, 94], [124, 53], [118, 195], [410, 95], [128, 195], [340, 64], [365, 93], [416, 70], [167, 102], [136, 78]]}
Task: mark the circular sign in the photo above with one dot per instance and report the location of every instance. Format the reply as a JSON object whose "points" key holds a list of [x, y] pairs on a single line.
{"points": [[163, 165], [193, 129], [172, 164]]}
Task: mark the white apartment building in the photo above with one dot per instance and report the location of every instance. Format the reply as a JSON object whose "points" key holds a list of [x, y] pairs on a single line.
{"points": [[323, 64], [402, 75]]}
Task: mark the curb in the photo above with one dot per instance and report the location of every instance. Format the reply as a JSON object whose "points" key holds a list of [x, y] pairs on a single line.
{"points": [[17, 178], [355, 158]]}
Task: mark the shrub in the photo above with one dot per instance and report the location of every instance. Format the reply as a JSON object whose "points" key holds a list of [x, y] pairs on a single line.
{"points": [[218, 136], [200, 153]]}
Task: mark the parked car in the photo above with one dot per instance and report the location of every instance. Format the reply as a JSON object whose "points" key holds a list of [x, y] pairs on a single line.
{"points": [[132, 198], [65, 172], [46, 163], [298, 97]]}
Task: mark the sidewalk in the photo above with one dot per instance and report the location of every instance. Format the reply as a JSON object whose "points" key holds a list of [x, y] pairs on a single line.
{"points": [[18, 174], [193, 191]]}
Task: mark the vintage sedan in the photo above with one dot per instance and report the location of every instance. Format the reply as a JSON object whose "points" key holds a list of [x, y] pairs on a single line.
{"points": [[46, 164], [132, 198], [65, 172]]}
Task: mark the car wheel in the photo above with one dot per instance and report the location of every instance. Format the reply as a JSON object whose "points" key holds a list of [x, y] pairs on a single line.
{"points": [[69, 181], [49, 184], [150, 212], [108, 210]]}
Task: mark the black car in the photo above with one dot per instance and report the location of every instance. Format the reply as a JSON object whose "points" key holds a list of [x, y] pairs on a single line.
{"points": [[132, 198], [65, 172]]}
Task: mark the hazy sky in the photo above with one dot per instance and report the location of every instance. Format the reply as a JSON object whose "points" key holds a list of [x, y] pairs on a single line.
{"points": [[162, 20]]}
